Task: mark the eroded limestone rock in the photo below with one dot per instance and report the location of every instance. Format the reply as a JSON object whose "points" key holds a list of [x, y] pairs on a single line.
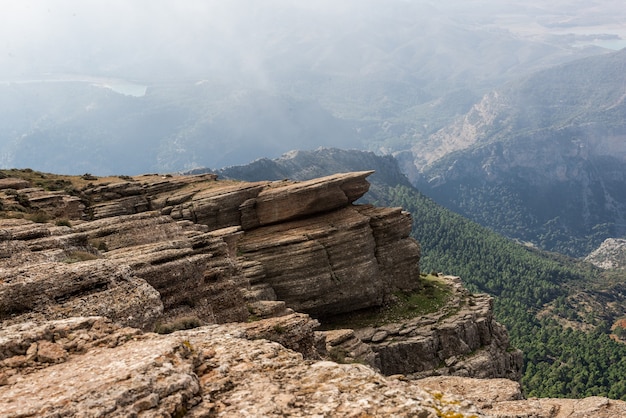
{"points": [[209, 371], [461, 339], [502, 398], [56, 290], [333, 263], [188, 251], [284, 202]]}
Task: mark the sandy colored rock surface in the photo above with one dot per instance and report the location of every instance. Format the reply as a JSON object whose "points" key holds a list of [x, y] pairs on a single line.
{"points": [[209, 371]]}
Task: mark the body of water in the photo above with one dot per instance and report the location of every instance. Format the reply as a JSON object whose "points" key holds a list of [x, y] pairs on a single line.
{"points": [[125, 87]]}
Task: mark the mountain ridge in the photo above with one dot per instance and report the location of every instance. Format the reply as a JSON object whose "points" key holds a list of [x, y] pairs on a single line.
{"points": [[521, 148]]}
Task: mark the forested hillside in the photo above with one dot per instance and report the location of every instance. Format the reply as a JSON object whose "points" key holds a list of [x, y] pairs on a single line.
{"points": [[559, 361]]}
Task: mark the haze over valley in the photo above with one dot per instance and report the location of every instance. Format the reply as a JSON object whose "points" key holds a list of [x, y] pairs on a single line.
{"points": [[171, 87]]}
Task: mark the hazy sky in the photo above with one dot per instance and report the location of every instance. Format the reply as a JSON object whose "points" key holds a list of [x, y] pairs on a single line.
{"points": [[109, 36], [165, 38], [120, 36]]}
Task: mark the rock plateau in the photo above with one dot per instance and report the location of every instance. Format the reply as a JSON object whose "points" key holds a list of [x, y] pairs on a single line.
{"points": [[235, 277]]}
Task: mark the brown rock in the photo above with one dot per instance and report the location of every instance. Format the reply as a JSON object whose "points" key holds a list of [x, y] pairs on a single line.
{"points": [[13, 183], [192, 271], [484, 393], [294, 331], [596, 407], [254, 378], [320, 265], [122, 380], [206, 371], [49, 352], [217, 208], [343, 346], [296, 200], [453, 341], [331, 263], [60, 290]]}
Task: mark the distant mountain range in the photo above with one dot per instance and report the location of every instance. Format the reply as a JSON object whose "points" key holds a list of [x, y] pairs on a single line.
{"points": [[542, 159], [366, 75]]}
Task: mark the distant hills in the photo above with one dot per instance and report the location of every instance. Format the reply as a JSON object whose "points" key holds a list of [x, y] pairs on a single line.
{"points": [[522, 132], [76, 127], [542, 159], [273, 78]]}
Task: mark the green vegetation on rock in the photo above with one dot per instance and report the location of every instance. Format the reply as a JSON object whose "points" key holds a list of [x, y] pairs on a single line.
{"points": [[559, 361], [404, 305]]}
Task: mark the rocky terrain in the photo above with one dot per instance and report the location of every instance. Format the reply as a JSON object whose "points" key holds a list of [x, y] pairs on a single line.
{"points": [[610, 255], [235, 278]]}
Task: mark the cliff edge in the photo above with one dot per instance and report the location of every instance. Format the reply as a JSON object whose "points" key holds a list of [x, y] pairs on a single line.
{"points": [[119, 258]]}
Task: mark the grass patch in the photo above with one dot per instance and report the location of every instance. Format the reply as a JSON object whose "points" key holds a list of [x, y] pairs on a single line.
{"points": [[39, 216], [63, 222], [403, 305]]}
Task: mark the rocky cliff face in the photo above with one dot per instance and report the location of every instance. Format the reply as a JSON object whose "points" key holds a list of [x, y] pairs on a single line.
{"points": [[204, 245], [162, 254], [461, 339], [611, 254]]}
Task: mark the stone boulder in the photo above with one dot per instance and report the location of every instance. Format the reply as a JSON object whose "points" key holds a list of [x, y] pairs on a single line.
{"points": [[284, 202]]}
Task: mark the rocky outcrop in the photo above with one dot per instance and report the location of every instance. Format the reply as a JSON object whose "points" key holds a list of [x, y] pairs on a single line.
{"points": [[65, 368], [503, 398], [469, 343], [203, 200], [149, 270], [59, 290], [332, 263], [296, 200], [461, 339], [610, 255], [209, 371], [13, 183], [174, 253], [209, 247]]}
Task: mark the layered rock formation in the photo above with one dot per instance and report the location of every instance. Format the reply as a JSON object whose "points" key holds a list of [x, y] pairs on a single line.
{"points": [[461, 339], [198, 242], [167, 253]]}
